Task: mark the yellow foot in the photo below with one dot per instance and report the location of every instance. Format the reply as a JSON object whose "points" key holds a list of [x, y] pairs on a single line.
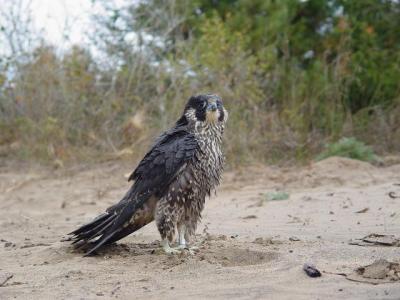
{"points": [[168, 250]]}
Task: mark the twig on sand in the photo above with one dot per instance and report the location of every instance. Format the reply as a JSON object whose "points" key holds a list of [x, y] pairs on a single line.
{"points": [[5, 278]]}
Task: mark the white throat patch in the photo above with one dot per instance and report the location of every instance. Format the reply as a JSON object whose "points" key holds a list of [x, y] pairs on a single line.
{"points": [[212, 116]]}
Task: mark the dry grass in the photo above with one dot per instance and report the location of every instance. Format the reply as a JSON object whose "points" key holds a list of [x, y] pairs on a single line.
{"points": [[70, 108]]}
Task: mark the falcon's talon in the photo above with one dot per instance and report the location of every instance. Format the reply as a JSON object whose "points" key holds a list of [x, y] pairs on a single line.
{"points": [[167, 249], [172, 251], [192, 250]]}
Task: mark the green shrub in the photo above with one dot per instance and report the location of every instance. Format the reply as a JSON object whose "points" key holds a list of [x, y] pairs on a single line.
{"points": [[293, 75], [350, 148]]}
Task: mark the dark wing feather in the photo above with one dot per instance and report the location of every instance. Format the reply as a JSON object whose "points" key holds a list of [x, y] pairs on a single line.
{"points": [[160, 165], [152, 176]]}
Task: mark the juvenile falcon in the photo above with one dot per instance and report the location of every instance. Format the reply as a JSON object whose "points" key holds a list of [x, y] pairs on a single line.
{"points": [[170, 183]]}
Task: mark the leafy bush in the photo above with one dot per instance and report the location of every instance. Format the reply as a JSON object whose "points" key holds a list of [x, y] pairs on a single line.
{"points": [[293, 75], [350, 148]]}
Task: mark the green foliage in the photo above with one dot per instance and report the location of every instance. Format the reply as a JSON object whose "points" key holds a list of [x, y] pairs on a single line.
{"points": [[277, 196], [233, 79], [293, 74], [350, 148], [273, 196]]}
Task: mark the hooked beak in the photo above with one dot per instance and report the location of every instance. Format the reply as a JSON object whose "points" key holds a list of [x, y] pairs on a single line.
{"points": [[212, 106], [212, 113]]}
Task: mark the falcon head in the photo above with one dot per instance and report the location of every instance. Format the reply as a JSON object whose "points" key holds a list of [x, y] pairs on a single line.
{"points": [[205, 108]]}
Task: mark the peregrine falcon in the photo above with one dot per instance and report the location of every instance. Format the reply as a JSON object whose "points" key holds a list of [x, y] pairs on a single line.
{"points": [[170, 183]]}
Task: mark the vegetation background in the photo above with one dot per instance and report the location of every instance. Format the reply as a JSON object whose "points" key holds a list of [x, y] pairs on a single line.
{"points": [[294, 75]]}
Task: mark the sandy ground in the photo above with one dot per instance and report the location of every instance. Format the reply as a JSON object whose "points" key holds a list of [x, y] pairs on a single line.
{"points": [[250, 248]]}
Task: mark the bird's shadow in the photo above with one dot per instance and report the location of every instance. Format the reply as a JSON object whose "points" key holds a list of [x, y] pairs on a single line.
{"points": [[118, 249]]}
